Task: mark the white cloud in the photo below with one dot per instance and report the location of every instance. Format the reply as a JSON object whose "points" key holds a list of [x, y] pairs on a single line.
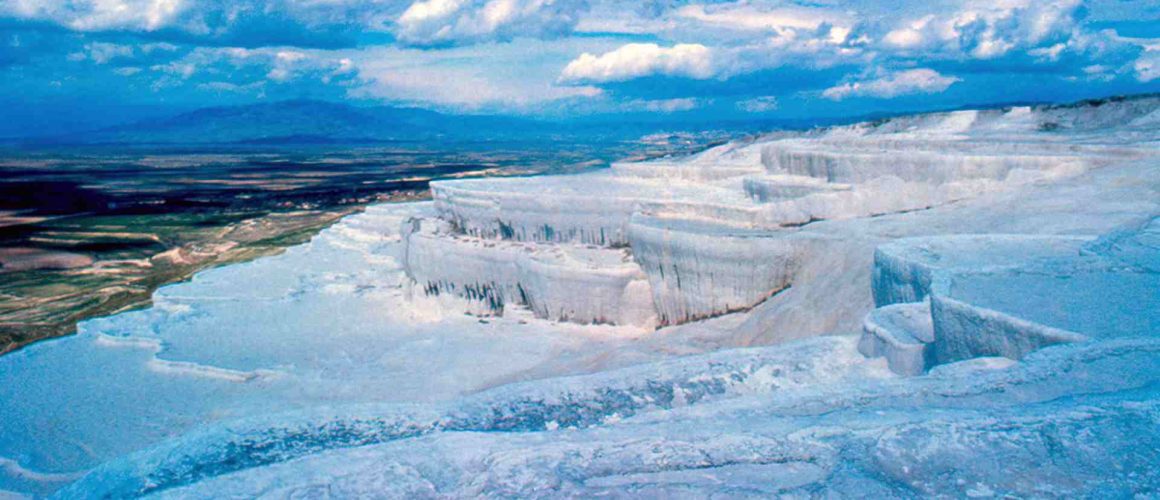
{"points": [[635, 60], [914, 81], [227, 87], [746, 36], [505, 77], [455, 22], [502, 55], [96, 15], [462, 89], [730, 39], [758, 104], [310, 23], [285, 65], [610, 17], [1147, 67], [251, 23], [662, 105], [987, 30], [104, 53], [909, 36], [181, 70], [1048, 54], [251, 68], [784, 21]]}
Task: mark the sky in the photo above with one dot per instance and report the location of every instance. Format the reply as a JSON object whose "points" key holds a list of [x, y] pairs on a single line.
{"points": [[72, 64]]}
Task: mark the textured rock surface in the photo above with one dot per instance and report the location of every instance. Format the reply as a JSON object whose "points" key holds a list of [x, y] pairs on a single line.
{"points": [[901, 333], [700, 270]]}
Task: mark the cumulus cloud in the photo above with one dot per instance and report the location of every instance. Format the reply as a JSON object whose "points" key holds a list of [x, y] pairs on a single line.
{"points": [[987, 30], [636, 60], [457, 22], [96, 15], [914, 81], [724, 40], [246, 23]]}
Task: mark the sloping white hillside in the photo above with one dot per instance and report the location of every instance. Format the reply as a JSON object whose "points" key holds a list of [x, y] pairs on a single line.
{"points": [[960, 304]]}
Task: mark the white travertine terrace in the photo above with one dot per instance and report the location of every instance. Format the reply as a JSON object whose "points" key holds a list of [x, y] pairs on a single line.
{"points": [[1009, 295], [720, 231], [489, 275], [699, 270], [1015, 312], [912, 165], [904, 269], [901, 333]]}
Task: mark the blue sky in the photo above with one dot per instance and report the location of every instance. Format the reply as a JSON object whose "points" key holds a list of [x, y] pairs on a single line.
{"points": [[69, 64]]}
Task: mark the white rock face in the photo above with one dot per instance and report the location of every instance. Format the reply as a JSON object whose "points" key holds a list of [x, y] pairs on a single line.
{"points": [[965, 332], [769, 188], [525, 209], [490, 275], [875, 175], [909, 164], [903, 334], [701, 270], [904, 269], [1015, 312]]}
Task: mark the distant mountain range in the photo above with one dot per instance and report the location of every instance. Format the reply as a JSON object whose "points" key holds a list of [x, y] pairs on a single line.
{"points": [[300, 121], [323, 122]]}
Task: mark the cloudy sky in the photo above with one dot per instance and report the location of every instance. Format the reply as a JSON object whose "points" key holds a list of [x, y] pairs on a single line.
{"points": [[65, 62]]}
